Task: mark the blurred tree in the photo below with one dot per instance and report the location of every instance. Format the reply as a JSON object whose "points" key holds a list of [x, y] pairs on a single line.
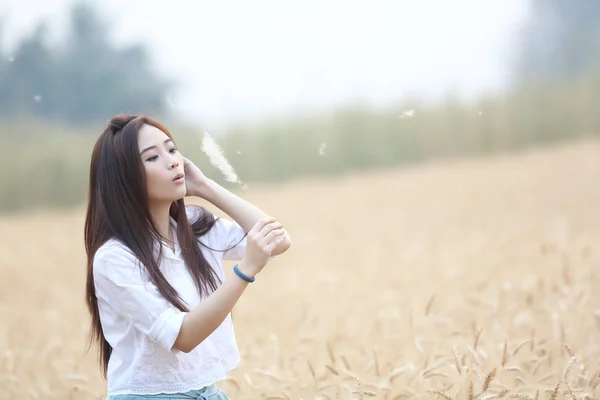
{"points": [[86, 80], [28, 76], [561, 40], [3, 62]]}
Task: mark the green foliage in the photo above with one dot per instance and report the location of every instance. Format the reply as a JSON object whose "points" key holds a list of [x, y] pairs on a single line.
{"points": [[82, 81], [51, 171]]}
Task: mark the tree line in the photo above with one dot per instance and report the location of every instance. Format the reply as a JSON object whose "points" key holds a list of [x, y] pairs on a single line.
{"points": [[81, 80], [85, 77]]}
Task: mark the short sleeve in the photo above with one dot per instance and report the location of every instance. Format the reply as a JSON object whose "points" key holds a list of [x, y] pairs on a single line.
{"points": [[119, 282], [228, 234]]}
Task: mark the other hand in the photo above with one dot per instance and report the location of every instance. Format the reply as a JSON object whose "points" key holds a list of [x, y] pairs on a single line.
{"points": [[195, 180], [260, 242]]}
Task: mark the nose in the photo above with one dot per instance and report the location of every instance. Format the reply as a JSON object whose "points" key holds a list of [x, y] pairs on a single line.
{"points": [[173, 164]]}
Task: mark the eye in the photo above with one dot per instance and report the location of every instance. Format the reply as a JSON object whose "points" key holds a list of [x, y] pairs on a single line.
{"points": [[153, 158], [173, 150]]}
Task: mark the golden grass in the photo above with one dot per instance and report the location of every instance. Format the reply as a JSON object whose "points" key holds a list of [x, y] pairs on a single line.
{"points": [[470, 280]]}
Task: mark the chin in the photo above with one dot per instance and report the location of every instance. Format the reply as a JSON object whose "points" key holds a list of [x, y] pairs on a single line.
{"points": [[179, 193]]}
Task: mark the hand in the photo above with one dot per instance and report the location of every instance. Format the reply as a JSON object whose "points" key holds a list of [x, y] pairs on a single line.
{"points": [[195, 180], [260, 242]]}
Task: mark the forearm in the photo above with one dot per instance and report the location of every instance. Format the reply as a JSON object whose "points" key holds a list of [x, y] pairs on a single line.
{"points": [[201, 321], [241, 211]]}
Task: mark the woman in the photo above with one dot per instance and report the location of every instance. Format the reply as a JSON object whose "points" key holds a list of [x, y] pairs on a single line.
{"points": [[159, 301]]}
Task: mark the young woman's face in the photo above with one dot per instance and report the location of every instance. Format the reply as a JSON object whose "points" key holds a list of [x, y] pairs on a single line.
{"points": [[163, 165]]}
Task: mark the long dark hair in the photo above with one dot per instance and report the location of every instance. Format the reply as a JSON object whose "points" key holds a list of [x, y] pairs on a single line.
{"points": [[118, 208]]}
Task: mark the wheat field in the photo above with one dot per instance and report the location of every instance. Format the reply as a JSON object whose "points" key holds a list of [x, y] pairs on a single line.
{"points": [[470, 279]]}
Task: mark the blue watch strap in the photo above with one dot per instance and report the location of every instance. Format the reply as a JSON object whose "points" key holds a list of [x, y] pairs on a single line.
{"points": [[241, 275]]}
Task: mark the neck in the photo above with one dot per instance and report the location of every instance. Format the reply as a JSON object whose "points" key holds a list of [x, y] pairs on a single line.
{"points": [[160, 215]]}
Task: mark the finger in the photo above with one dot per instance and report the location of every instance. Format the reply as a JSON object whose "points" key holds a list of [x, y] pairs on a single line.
{"points": [[271, 246], [269, 228], [274, 241], [261, 224], [274, 234]]}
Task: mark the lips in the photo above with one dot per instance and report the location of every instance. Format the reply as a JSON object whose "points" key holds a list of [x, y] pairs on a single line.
{"points": [[178, 176]]}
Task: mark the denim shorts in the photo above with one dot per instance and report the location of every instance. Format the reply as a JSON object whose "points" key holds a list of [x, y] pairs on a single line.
{"points": [[211, 392]]}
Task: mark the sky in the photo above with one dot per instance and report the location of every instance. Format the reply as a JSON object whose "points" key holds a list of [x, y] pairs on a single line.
{"points": [[245, 60]]}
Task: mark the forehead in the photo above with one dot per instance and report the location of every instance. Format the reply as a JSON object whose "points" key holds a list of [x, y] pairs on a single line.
{"points": [[149, 135]]}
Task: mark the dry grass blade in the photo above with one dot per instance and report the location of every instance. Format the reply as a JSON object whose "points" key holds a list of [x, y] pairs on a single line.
{"points": [[569, 367], [520, 346], [486, 382], [268, 374], [346, 364], [476, 340], [330, 353], [537, 367], [312, 370], [570, 391], [546, 378], [515, 369], [365, 393], [432, 368], [332, 369], [376, 361], [418, 345], [521, 380], [429, 305], [505, 353], [249, 380], [440, 394], [457, 361], [569, 350], [473, 354], [235, 383], [500, 395], [358, 391], [554, 393], [435, 374], [395, 373]]}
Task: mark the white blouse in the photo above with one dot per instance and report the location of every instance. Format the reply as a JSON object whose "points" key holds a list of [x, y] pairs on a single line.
{"points": [[141, 326]]}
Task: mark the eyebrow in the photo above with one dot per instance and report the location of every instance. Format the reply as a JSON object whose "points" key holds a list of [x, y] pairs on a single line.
{"points": [[153, 147]]}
